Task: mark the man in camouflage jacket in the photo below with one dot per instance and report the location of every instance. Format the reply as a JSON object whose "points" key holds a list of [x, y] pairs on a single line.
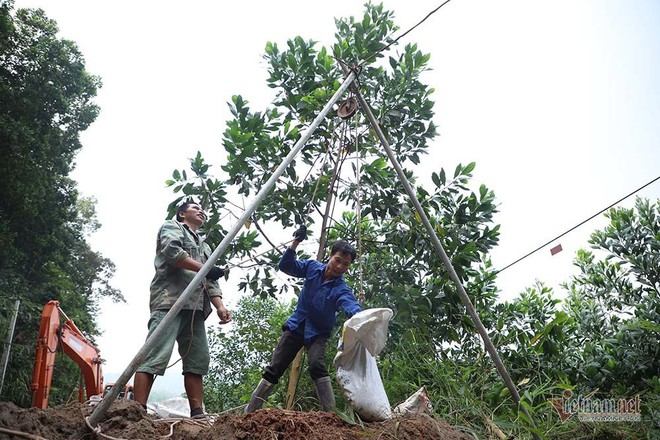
{"points": [[180, 254]]}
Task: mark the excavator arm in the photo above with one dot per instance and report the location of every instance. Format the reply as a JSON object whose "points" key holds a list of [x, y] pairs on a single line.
{"points": [[53, 336]]}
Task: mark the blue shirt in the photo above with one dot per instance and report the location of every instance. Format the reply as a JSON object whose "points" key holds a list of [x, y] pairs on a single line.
{"points": [[319, 300]]}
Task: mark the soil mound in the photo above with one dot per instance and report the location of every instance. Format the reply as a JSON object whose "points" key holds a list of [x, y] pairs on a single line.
{"points": [[127, 420]]}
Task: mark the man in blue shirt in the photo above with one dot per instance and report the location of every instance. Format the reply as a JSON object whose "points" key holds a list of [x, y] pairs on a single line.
{"points": [[323, 294]]}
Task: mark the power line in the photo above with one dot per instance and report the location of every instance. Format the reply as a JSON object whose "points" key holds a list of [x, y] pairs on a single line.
{"points": [[405, 33], [577, 226]]}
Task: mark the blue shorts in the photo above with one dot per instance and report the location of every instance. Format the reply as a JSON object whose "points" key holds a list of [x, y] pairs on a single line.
{"points": [[193, 346]]}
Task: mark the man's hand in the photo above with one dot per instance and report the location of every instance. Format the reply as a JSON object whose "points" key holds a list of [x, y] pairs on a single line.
{"points": [[300, 234], [224, 315], [215, 273]]}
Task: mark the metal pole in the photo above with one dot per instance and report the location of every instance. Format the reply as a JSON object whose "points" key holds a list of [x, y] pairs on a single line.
{"points": [[120, 383], [443, 256], [10, 337]]}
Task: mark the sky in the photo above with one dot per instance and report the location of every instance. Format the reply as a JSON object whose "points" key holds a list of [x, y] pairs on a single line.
{"points": [[557, 102]]}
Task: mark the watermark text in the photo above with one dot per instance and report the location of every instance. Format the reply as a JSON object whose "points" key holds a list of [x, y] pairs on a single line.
{"points": [[592, 409]]}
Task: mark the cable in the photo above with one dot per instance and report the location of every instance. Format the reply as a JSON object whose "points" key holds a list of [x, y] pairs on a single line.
{"points": [[405, 33], [256, 225], [576, 226], [21, 434]]}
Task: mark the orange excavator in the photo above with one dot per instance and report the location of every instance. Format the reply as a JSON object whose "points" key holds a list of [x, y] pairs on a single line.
{"points": [[53, 336]]}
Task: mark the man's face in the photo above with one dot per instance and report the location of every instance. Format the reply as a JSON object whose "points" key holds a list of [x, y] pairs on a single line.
{"points": [[194, 215], [338, 264]]}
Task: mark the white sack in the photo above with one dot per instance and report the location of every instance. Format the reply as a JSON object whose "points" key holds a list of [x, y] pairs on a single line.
{"points": [[415, 404], [172, 407], [364, 336]]}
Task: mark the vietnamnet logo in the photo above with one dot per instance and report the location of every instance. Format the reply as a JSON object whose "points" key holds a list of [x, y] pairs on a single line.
{"points": [[590, 409]]}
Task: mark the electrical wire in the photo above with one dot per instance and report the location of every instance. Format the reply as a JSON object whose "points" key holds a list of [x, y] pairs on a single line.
{"points": [[576, 226], [560, 235], [405, 33]]}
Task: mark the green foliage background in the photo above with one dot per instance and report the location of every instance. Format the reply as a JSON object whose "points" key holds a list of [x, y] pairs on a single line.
{"points": [[46, 100]]}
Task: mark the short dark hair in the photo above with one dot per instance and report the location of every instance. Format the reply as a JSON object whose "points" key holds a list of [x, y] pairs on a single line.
{"points": [[183, 208], [344, 247]]}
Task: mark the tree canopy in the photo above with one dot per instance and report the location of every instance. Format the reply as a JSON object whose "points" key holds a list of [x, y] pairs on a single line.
{"points": [[397, 270]]}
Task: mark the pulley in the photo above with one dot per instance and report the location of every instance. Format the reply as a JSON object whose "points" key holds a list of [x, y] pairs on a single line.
{"points": [[347, 108]]}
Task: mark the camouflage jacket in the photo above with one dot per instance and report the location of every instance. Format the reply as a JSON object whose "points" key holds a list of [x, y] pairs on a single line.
{"points": [[174, 243]]}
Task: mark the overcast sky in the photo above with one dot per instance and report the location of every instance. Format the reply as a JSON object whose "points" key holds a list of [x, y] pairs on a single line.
{"points": [[557, 102]]}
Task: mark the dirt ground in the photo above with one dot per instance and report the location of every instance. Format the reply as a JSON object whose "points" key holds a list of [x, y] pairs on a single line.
{"points": [[127, 420]]}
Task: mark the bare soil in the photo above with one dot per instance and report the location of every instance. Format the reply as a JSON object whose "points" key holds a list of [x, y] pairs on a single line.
{"points": [[127, 420]]}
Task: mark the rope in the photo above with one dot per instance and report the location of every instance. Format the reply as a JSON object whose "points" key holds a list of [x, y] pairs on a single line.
{"points": [[341, 157], [21, 434], [359, 212], [318, 181], [311, 206], [97, 430], [174, 421], [172, 429], [240, 263], [331, 201]]}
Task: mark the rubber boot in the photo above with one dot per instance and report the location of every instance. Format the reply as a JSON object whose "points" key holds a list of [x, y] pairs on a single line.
{"points": [[259, 396], [325, 393]]}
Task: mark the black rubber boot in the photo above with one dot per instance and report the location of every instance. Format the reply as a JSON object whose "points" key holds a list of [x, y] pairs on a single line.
{"points": [[259, 396], [196, 411], [325, 393]]}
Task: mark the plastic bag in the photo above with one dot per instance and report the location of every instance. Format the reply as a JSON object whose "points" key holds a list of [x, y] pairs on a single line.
{"points": [[415, 404], [363, 337], [172, 407]]}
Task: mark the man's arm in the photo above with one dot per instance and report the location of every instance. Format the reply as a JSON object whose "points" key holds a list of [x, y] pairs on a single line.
{"points": [[170, 239], [189, 263], [194, 265], [170, 244], [348, 303], [289, 264]]}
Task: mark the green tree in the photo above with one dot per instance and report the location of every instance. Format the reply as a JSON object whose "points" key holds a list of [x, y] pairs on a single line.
{"points": [[400, 270], [45, 102], [604, 336], [343, 161], [615, 303]]}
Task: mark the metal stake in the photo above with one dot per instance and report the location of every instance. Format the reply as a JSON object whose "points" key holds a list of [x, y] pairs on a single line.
{"points": [[443, 255], [5, 354]]}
